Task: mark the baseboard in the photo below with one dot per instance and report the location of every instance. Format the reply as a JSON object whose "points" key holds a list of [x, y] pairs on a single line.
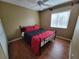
{"points": [[15, 39], [63, 38]]}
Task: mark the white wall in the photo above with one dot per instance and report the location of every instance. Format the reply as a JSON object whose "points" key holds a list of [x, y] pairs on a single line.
{"points": [[75, 43], [3, 42]]}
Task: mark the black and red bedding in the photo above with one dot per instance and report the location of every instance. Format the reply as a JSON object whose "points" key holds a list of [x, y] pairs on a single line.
{"points": [[35, 35], [30, 35]]}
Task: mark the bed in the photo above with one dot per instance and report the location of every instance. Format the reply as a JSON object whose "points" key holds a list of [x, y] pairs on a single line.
{"points": [[37, 37]]}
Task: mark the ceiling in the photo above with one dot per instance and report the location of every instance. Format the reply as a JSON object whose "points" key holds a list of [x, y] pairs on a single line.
{"points": [[31, 4]]}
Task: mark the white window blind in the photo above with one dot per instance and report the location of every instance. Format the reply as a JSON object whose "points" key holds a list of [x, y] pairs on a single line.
{"points": [[60, 19]]}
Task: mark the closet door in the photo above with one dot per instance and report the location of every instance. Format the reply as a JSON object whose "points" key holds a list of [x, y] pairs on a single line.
{"points": [[3, 42], [2, 56], [75, 42]]}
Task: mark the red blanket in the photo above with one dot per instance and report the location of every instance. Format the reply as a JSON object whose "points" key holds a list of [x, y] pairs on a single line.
{"points": [[37, 39]]}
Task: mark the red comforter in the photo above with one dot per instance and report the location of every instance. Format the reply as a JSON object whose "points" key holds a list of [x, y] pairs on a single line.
{"points": [[37, 39]]}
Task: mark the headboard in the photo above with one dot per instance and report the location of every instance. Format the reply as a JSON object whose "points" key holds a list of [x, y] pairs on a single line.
{"points": [[29, 28]]}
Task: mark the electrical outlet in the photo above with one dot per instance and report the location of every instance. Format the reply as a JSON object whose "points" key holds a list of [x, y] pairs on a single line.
{"points": [[72, 56]]}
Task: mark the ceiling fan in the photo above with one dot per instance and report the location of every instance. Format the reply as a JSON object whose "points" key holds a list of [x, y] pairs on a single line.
{"points": [[42, 2]]}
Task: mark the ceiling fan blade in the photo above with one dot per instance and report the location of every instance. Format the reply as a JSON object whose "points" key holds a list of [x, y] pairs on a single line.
{"points": [[46, 5], [44, 0]]}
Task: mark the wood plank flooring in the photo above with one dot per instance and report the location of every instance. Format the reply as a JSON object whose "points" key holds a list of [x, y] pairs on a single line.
{"points": [[59, 49]]}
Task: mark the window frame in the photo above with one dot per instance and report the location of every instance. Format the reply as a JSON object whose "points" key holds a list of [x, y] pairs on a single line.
{"points": [[61, 27]]}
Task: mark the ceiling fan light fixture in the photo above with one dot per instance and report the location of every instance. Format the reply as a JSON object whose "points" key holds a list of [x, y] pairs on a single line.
{"points": [[39, 3]]}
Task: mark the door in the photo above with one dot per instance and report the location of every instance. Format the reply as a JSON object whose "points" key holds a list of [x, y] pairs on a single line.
{"points": [[75, 42], [2, 56], [3, 42]]}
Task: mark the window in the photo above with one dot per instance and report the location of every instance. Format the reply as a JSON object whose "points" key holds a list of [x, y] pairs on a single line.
{"points": [[60, 19]]}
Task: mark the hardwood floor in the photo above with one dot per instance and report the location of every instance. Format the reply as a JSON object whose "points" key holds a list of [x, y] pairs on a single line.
{"points": [[57, 50]]}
